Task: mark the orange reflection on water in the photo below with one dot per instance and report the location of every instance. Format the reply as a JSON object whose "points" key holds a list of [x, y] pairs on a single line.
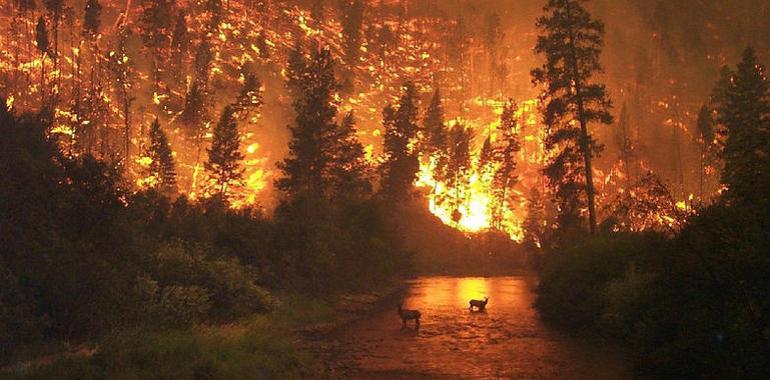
{"points": [[472, 288]]}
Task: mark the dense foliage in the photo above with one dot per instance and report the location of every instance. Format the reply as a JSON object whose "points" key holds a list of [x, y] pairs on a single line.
{"points": [[695, 304], [83, 257]]}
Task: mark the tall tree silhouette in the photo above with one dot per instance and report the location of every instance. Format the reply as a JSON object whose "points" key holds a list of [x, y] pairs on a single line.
{"points": [[458, 166], [434, 144], [348, 170], [44, 47], [706, 135], [505, 175], [162, 167], [224, 163], [313, 85], [745, 114], [401, 164], [571, 42]]}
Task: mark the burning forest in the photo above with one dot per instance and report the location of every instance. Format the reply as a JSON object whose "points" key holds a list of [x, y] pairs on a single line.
{"points": [[307, 145]]}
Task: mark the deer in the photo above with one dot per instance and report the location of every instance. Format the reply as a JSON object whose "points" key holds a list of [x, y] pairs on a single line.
{"points": [[406, 315], [479, 305]]}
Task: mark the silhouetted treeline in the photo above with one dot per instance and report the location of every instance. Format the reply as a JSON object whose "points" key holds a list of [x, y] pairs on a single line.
{"points": [[83, 256], [695, 305]]}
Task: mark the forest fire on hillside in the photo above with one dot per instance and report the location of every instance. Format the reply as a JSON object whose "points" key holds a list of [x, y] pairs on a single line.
{"points": [[184, 61]]}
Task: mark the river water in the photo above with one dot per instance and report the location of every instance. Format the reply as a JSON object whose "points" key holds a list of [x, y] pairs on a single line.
{"points": [[508, 341]]}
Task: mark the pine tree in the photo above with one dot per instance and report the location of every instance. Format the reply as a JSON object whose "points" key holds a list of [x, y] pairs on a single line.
{"points": [[624, 143], [534, 223], [459, 166], [203, 58], [179, 44], [162, 167], [313, 85], [401, 164], [435, 137], [745, 114], [249, 100], [91, 20], [571, 42], [194, 113], [706, 134], [505, 176], [123, 73], [55, 10], [44, 46], [156, 23], [224, 163], [351, 29], [349, 170]]}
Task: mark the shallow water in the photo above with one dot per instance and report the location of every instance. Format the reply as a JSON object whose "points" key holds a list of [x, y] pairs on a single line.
{"points": [[507, 341]]}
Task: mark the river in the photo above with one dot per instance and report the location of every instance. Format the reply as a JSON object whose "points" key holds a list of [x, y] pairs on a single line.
{"points": [[508, 341]]}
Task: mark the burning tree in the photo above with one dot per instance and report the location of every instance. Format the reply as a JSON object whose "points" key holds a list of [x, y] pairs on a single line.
{"points": [[744, 112], [224, 163], [505, 176], [571, 42], [647, 205], [161, 171], [401, 163]]}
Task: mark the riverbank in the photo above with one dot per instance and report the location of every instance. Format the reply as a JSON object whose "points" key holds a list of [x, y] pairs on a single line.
{"points": [[285, 343]]}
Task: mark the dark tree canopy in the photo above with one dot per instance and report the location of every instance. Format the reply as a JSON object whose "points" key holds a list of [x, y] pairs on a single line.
{"points": [[162, 167], [224, 163], [401, 164], [571, 42]]}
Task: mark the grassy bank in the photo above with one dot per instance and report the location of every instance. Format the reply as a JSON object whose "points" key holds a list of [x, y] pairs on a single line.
{"points": [[274, 345]]}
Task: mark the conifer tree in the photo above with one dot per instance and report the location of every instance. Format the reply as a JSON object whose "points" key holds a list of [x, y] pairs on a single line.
{"points": [[124, 76], [250, 98], [194, 113], [224, 163], [745, 115], [435, 136], [706, 136], [162, 167], [203, 58], [312, 84], [624, 143], [572, 100], [351, 29], [505, 176], [156, 23], [44, 47], [401, 164], [349, 170], [91, 19], [459, 165], [534, 223]]}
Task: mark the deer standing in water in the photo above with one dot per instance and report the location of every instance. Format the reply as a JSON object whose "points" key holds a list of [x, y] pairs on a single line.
{"points": [[479, 305], [409, 314]]}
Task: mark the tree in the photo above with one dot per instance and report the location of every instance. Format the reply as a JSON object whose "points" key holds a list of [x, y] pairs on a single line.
{"points": [[571, 42], [707, 135], [745, 114], [624, 143], [123, 73], [55, 10], [162, 168], [348, 170], [353, 18], [225, 158], [179, 43], [91, 19], [203, 58], [250, 98], [156, 23], [505, 176], [435, 137], [313, 85], [195, 110], [458, 166], [534, 224], [401, 165], [44, 46]]}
